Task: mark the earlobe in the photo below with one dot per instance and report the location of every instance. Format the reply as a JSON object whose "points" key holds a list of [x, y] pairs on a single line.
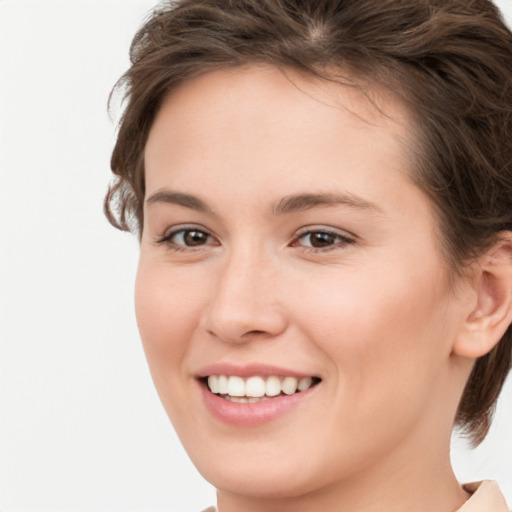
{"points": [[491, 316]]}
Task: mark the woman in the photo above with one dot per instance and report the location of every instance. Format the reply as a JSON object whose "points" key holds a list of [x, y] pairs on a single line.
{"points": [[323, 195]]}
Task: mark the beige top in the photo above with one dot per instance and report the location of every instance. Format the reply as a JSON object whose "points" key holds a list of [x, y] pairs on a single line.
{"points": [[486, 497]]}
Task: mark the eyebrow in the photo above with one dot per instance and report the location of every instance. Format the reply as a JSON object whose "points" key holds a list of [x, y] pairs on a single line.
{"points": [[285, 205], [300, 202], [179, 198]]}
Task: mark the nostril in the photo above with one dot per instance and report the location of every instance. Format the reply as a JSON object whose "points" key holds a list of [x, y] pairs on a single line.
{"points": [[235, 322]]}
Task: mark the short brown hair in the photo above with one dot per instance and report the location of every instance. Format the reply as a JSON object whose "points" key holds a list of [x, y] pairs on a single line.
{"points": [[449, 60]]}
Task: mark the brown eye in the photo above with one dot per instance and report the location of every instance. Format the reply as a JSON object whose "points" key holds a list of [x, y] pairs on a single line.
{"points": [[192, 238], [189, 238], [323, 240]]}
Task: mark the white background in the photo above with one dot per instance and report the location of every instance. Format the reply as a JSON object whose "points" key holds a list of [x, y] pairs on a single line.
{"points": [[81, 428]]}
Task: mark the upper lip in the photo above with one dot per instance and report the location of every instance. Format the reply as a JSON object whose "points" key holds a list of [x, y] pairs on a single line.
{"points": [[249, 370]]}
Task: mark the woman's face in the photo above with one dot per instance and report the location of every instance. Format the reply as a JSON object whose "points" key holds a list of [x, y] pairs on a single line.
{"points": [[284, 240]]}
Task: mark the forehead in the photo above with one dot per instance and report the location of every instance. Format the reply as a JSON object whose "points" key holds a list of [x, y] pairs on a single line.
{"points": [[256, 123], [257, 89]]}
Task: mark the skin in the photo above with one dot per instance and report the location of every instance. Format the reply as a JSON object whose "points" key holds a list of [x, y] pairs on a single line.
{"points": [[374, 317]]}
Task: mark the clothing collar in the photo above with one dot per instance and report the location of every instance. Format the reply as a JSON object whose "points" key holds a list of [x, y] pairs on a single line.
{"points": [[486, 497]]}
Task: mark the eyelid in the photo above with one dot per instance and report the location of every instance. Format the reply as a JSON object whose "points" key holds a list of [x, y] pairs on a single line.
{"points": [[325, 227], [346, 238], [165, 239], [319, 228]]}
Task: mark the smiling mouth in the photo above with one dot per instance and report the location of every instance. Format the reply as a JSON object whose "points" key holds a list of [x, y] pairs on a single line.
{"points": [[257, 389]]}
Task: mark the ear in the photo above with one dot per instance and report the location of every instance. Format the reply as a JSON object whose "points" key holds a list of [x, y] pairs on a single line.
{"points": [[491, 313]]}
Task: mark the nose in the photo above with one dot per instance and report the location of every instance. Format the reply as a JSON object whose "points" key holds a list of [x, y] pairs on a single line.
{"points": [[244, 303]]}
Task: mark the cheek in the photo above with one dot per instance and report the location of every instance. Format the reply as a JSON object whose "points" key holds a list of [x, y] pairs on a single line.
{"points": [[166, 306], [385, 332]]}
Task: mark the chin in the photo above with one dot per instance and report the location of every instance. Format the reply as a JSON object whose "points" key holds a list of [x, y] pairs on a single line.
{"points": [[269, 472], [259, 482]]}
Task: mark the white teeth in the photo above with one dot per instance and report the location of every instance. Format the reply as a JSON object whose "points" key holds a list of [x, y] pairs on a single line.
{"points": [[304, 383], [239, 399], [223, 385], [255, 389], [236, 386], [273, 386], [213, 383], [245, 400], [289, 385]]}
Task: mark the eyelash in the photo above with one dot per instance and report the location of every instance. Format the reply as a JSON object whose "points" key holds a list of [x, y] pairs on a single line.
{"points": [[167, 239], [342, 240]]}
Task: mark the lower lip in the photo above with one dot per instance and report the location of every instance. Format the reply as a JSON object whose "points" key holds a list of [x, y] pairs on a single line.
{"points": [[252, 414]]}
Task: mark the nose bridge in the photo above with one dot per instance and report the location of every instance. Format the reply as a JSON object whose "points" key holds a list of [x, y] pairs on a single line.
{"points": [[244, 302]]}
